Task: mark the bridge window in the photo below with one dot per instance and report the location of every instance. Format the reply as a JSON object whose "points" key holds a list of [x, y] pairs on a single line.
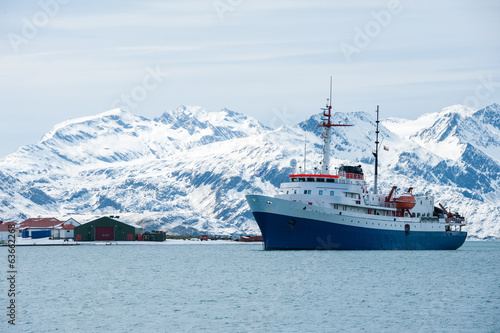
{"points": [[330, 180], [320, 179], [332, 193], [320, 192], [310, 179], [302, 179], [307, 191], [294, 180]]}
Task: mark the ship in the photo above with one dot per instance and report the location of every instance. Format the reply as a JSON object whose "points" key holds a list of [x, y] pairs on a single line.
{"points": [[327, 210]]}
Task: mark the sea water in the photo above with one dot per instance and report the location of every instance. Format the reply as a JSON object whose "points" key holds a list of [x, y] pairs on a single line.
{"points": [[242, 288]]}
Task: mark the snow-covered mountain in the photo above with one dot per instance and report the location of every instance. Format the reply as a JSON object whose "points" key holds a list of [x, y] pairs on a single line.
{"points": [[188, 170]]}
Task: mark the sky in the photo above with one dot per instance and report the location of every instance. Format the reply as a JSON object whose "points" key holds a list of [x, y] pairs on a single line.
{"points": [[64, 59]]}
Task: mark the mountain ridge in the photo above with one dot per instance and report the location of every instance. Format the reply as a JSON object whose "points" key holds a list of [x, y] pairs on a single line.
{"points": [[187, 170]]}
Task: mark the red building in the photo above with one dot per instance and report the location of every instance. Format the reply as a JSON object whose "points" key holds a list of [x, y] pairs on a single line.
{"points": [[37, 224]]}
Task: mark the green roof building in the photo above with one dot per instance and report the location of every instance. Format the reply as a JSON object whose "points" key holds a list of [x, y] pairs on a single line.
{"points": [[107, 229]]}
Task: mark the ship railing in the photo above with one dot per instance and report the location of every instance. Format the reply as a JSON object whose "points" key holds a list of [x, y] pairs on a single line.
{"points": [[389, 205], [350, 175], [429, 219], [386, 204], [380, 204], [455, 220]]}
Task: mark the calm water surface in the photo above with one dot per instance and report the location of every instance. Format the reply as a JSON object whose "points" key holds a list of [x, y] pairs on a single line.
{"points": [[241, 288]]}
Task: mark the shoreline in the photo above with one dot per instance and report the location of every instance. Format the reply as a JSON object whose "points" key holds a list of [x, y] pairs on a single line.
{"points": [[60, 242]]}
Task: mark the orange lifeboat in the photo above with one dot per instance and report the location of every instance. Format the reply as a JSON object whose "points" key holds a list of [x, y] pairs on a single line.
{"points": [[404, 201]]}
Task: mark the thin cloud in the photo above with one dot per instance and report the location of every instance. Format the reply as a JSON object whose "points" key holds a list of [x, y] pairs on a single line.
{"points": [[118, 20]]}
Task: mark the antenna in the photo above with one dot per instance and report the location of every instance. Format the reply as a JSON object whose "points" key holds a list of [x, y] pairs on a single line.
{"points": [[331, 88], [376, 155], [327, 124], [305, 150]]}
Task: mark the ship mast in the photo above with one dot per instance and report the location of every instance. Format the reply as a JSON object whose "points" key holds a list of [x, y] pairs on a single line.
{"points": [[327, 124], [376, 155], [305, 150]]}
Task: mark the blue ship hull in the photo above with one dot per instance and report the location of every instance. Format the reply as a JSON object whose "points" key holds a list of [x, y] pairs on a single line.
{"points": [[282, 232]]}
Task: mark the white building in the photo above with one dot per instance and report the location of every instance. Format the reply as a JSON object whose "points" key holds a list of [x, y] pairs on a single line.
{"points": [[65, 230]]}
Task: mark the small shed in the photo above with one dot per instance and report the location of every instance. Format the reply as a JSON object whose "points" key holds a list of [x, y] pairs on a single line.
{"points": [[153, 236], [107, 229], [65, 230]]}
